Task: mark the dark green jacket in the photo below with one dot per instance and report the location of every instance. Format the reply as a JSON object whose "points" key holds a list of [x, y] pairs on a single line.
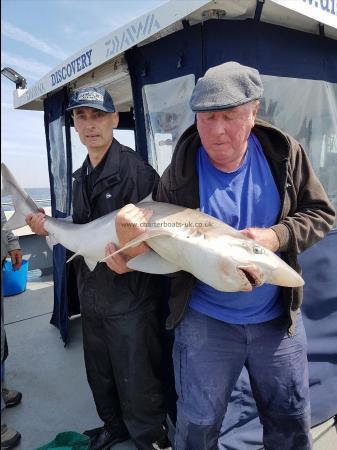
{"points": [[69, 440], [306, 213]]}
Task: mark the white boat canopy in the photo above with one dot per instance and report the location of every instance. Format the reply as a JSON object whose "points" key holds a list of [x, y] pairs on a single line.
{"points": [[103, 62]]}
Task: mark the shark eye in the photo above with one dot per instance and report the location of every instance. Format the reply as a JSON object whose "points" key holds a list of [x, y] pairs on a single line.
{"points": [[258, 250]]}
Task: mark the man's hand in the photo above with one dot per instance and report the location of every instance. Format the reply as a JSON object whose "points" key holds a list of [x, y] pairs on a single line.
{"points": [[263, 236], [116, 263], [36, 223], [16, 257], [130, 223]]}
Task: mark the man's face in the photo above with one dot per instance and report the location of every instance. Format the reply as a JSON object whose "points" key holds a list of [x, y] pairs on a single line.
{"points": [[95, 127], [224, 133]]}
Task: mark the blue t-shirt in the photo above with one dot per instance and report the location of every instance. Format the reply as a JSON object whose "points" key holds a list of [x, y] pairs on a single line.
{"points": [[246, 197]]}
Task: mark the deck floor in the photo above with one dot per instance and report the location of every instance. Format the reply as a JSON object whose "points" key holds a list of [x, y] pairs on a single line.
{"points": [[56, 396]]}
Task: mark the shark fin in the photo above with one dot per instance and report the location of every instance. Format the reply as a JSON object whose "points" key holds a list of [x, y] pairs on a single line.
{"points": [[90, 263], [151, 262], [16, 221], [138, 240], [73, 257], [23, 204]]}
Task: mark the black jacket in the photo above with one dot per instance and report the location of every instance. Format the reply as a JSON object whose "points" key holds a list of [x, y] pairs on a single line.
{"points": [[125, 178]]}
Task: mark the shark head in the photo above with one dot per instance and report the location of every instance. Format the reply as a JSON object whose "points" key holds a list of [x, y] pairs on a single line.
{"points": [[253, 265]]}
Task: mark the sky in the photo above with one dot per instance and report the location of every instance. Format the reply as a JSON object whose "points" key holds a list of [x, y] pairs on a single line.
{"points": [[36, 35]]}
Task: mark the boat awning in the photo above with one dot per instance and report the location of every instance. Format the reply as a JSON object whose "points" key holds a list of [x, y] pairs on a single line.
{"points": [[106, 49], [104, 59]]}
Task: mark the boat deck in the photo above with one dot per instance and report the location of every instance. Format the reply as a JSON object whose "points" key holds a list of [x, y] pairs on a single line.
{"points": [[51, 377]]}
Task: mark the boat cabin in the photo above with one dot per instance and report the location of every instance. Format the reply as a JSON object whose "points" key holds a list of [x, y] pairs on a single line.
{"points": [[150, 66]]}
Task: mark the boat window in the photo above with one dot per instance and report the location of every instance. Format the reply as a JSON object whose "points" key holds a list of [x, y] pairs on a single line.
{"points": [[307, 110], [167, 115], [58, 161], [126, 137], [78, 150]]}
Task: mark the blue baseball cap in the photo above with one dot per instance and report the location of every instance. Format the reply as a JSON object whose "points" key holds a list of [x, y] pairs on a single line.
{"points": [[92, 97]]}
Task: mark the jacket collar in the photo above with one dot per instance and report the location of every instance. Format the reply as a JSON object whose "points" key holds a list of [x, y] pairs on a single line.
{"points": [[110, 174], [111, 166]]}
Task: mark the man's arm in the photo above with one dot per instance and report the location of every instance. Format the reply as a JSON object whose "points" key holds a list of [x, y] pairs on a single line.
{"points": [[12, 240], [311, 219], [312, 216], [12, 244]]}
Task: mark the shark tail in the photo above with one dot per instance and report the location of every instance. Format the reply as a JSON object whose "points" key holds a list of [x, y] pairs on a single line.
{"points": [[23, 204]]}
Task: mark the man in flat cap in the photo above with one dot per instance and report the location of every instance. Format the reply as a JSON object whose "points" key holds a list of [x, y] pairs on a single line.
{"points": [[121, 332], [258, 179]]}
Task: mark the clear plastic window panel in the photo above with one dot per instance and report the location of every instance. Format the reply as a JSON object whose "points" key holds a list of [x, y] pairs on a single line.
{"points": [[167, 115], [78, 150], [58, 162], [78, 153], [307, 110]]}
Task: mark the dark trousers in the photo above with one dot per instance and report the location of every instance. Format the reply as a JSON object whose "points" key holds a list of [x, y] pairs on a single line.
{"points": [[208, 358], [123, 363]]}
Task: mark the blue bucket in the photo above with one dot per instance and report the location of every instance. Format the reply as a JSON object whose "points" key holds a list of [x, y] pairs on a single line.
{"points": [[14, 282]]}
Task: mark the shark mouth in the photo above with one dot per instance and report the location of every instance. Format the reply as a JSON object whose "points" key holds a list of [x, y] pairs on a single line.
{"points": [[252, 275]]}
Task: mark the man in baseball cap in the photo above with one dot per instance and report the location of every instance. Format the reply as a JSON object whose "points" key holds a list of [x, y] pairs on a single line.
{"points": [[119, 312]]}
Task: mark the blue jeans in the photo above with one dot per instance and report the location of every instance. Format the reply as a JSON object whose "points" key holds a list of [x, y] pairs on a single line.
{"points": [[208, 357]]}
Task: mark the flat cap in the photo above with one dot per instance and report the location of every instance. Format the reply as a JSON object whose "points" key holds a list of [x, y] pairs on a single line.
{"points": [[226, 86]]}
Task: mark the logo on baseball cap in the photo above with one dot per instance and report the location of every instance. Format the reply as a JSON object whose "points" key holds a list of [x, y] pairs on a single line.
{"points": [[92, 97]]}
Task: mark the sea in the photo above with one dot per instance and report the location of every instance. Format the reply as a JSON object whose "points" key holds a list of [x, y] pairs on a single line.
{"points": [[41, 197]]}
